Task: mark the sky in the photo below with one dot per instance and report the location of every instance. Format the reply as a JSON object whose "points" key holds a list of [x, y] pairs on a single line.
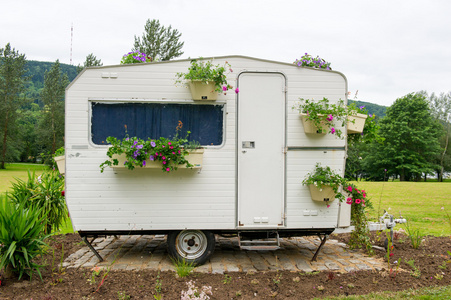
{"points": [[385, 48]]}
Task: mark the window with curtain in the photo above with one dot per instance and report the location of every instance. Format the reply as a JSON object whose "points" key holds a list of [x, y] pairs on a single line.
{"points": [[155, 120]]}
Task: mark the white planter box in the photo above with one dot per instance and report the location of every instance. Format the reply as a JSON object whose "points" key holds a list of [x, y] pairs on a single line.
{"points": [[195, 158], [60, 163], [310, 128], [326, 194], [203, 90], [358, 124]]}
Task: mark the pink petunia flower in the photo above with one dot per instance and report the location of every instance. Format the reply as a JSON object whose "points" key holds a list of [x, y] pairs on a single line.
{"points": [[330, 118], [350, 188], [224, 88], [349, 200], [237, 91], [167, 169], [332, 130], [357, 201]]}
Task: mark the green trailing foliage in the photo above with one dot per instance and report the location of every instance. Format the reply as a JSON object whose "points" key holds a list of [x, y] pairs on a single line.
{"points": [[21, 236], [46, 192], [360, 236]]}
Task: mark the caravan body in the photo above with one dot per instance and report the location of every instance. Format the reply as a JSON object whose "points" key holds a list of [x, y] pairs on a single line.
{"points": [[256, 153]]}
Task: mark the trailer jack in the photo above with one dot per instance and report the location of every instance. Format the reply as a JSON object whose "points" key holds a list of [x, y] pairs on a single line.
{"points": [[89, 244], [323, 239]]}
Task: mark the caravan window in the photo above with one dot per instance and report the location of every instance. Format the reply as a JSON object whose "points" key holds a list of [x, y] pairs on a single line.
{"points": [[154, 120]]}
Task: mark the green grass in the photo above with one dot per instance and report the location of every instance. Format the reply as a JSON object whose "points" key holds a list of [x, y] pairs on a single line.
{"points": [[429, 293], [20, 171], [419, 202]]}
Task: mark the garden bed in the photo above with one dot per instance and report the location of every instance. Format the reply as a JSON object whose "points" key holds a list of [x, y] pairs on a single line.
{"points": [[430, 259]]}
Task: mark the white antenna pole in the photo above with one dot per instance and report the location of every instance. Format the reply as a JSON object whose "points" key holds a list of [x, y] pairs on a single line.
{"points": [[71, 38]]}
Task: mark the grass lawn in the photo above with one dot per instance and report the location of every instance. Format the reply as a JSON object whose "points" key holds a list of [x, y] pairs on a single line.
{"points": [[18, 170], [419, 202]]}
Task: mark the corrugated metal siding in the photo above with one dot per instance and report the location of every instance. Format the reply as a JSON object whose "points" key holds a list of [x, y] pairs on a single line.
{"points": [[150, 199]]}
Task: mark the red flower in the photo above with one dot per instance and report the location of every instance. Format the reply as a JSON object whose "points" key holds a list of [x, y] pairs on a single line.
{"points": [[62, 193]]}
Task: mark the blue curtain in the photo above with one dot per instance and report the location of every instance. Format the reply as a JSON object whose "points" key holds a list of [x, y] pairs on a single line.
{"points": [[154, 120]]}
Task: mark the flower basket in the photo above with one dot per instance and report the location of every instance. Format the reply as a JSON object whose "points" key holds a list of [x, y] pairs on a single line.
{"points": [[326, 194], [310, 128], [356, 123], [61, 163], [201, 90], [195, 157]]}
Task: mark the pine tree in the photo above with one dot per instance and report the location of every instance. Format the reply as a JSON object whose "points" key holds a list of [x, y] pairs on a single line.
{"points": [[52, 126], [91, 61], [12, 84], [159, 42]]}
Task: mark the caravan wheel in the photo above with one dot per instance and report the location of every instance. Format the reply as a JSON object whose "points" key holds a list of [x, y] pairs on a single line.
{"points": [[193, 246]]}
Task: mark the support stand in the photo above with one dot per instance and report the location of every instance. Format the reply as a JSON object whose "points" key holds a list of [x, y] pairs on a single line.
{"points": [[85, 239], [323, 241]]}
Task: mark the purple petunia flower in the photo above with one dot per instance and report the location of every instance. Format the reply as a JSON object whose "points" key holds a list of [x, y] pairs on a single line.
{"points": [[152, 143]]}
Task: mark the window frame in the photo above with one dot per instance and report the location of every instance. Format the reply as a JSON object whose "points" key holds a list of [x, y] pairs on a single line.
{"points": [[156, 101]]}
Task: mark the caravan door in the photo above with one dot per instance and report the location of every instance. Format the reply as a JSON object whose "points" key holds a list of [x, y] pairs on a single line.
{"points": [[261, 110]]}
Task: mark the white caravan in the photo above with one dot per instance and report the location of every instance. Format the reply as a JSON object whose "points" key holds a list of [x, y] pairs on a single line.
{"points": [[256, 155]]}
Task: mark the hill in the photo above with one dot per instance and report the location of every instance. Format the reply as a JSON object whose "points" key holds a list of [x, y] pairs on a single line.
{"points": [[378, 110], [36, 71]]}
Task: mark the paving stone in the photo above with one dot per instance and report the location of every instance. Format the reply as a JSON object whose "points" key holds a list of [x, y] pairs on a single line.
{"points": [[166, 265], [205, 268], [150, 252], [342, 261], [257, 261], [303, 266], [363, 267], [286, 262], [355, 261], [332, 266]]}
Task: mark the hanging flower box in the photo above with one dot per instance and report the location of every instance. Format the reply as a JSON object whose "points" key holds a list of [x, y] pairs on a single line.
{"points": [[325, 194], [61, 163], [194, 157], [310, 128], [201, 90], [356, 123]]}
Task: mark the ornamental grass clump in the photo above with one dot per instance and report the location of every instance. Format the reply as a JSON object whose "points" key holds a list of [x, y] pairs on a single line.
{"points": [[360, 236], [308, 61], [21, 237], [325, 176], [45, 191], [322, 113], [206, 72]]}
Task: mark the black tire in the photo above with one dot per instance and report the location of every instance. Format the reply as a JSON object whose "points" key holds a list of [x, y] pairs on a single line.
{"points": [[193, 246]]}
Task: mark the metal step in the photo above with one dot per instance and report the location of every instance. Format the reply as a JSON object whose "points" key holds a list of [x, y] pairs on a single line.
{"points": [[271, 248], [259, 244]]}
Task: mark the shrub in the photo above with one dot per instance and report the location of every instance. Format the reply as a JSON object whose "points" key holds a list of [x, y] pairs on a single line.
{"points": [[45, 192], [21, 236]]}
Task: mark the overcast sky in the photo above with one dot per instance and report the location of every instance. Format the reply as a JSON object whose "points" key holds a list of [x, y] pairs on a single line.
{"points": [[386, 48]]}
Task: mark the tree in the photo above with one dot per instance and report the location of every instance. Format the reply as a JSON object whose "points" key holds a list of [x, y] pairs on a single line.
{"points": [[159, 42], [12, 85], [441, 110], [411, 139], [52, 126], [91, 61]]}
